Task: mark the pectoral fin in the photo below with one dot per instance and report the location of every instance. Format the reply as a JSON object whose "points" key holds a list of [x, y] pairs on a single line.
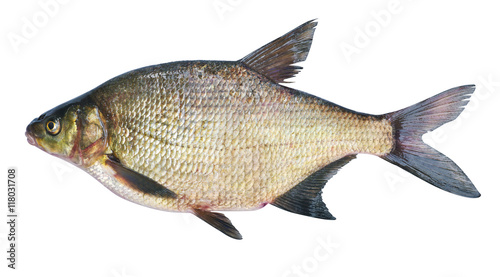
{"points": [[138, 181], [305, 198], [218, 221]]}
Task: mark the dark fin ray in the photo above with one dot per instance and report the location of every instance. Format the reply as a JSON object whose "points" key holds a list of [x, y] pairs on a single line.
{"points": [[418, 158], [275, 59], [305, 198], [138, 181], [218, 221]]}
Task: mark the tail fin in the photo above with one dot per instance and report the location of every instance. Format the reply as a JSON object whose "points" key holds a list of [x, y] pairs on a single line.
{"points": [[418, 158]]}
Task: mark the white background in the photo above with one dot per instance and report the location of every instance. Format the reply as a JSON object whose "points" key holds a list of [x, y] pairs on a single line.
{"points": [[388, 223]]}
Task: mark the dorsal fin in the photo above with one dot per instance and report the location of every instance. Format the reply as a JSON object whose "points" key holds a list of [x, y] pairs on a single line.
{"points": [[275, 59], [305, 198]]}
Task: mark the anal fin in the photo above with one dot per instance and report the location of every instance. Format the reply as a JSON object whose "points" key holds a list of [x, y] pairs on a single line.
{"points": [[218, 221], [137, 181], [305, 198]]}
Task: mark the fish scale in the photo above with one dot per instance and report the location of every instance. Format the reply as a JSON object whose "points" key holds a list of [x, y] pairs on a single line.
{"points": [[207, 136], [262, 152]]}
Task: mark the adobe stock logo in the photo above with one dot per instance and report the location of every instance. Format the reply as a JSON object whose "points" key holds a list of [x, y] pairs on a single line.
{"points": [[222, 7], [363, 36], [31, 26], [324, 249]]}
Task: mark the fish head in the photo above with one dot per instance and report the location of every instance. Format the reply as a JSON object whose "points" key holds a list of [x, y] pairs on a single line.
{"points": [[75, 132]]}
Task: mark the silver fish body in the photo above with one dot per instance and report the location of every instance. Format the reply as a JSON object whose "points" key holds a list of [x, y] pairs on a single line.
{"points": [[206, 136]]}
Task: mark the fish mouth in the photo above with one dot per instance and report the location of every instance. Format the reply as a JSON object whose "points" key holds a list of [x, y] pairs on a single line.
{"points": [[30, 137]]}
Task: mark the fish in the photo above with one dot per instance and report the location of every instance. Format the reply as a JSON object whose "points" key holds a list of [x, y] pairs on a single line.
{"points": [[204, 137]]}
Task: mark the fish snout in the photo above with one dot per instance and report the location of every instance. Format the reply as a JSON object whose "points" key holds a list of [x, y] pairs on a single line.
{"points": [[31, 139], [30, 135]]}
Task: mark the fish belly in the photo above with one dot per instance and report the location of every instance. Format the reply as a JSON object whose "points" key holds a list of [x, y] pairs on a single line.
{"points": [[223, 137]]}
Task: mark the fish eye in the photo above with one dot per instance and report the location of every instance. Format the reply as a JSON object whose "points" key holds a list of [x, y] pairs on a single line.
{"points": [[53, 127]]}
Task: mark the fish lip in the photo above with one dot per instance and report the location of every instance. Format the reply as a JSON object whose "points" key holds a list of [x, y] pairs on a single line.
{"points": [[31, 139], [30, 136]]}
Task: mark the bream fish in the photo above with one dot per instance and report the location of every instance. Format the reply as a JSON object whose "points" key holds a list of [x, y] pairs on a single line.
{"points": [[207, 136]]}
